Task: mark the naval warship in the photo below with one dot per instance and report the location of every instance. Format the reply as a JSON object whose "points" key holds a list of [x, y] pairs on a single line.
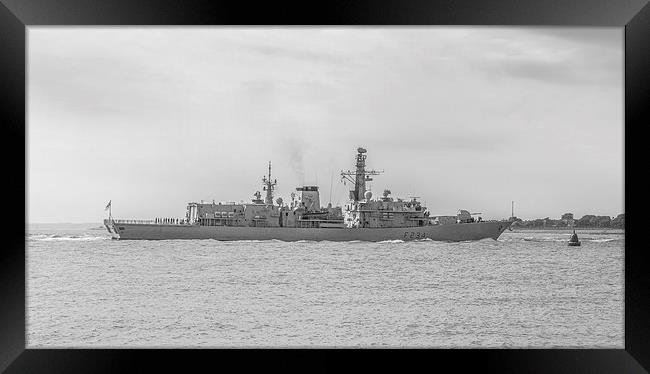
{"points": [[362, 218]]}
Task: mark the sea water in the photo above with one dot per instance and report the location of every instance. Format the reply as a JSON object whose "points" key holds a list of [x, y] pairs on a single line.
{"points": [[527, 289]]}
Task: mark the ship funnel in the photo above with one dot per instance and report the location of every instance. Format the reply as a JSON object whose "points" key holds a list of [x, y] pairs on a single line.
{"points": [[310, 197]]}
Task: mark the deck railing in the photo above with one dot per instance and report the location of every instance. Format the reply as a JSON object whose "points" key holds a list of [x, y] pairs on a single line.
{"points": [[135, 221], [160, 221]]}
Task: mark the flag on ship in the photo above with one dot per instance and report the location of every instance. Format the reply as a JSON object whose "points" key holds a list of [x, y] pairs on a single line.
{"points": [[108, 205]]}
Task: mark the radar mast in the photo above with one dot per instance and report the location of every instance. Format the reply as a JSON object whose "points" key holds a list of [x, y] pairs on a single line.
{"points": [[359, 177], [269, 186]]}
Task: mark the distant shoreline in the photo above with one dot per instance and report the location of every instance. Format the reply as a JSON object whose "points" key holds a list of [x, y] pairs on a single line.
{"points": [[566, 229]]}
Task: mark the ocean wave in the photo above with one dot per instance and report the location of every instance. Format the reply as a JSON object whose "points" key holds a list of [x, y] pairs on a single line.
{"points": [[543, 240], [602, 240], [57, 237], [391, 241], [421, 240]]}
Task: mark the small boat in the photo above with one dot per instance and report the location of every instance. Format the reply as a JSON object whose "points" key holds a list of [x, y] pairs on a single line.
{"points": [[574, 242]]}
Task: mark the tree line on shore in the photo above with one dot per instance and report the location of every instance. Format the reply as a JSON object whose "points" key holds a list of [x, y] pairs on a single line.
{"points": [[567, 220]]}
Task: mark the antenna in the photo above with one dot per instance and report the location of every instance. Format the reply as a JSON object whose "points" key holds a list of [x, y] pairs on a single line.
{"points": [[331, 182], [512, 213], [336, 196]]}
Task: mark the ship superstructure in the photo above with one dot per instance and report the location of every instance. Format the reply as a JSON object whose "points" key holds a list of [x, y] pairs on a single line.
{"points": [[303, 218], [363, 212]]}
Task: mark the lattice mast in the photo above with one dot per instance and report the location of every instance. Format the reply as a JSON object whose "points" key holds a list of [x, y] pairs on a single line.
{"points": [[269, 186], [359, 177]]}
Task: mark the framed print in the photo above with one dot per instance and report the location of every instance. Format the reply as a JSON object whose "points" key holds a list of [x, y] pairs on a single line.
{"points": [[212, 181]]}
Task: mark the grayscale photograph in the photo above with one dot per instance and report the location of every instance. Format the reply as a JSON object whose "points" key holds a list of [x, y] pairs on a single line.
{"points": [[325, 187]]}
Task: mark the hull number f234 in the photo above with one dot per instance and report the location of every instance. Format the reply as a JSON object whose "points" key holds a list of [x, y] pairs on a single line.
{"points": [[414, 235]]}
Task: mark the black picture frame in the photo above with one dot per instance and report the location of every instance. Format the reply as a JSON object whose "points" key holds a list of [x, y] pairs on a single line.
{"points": [[16, 15]]}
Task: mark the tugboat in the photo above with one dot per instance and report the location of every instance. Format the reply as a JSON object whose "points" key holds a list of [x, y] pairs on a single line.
{"points": [[362, 218]]}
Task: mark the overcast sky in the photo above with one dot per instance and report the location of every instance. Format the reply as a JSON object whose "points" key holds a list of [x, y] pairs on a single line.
{"points": [[471, 118]]}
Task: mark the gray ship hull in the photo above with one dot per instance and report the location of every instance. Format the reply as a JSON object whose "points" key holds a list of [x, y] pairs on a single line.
{"points": [[448, 232]]}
